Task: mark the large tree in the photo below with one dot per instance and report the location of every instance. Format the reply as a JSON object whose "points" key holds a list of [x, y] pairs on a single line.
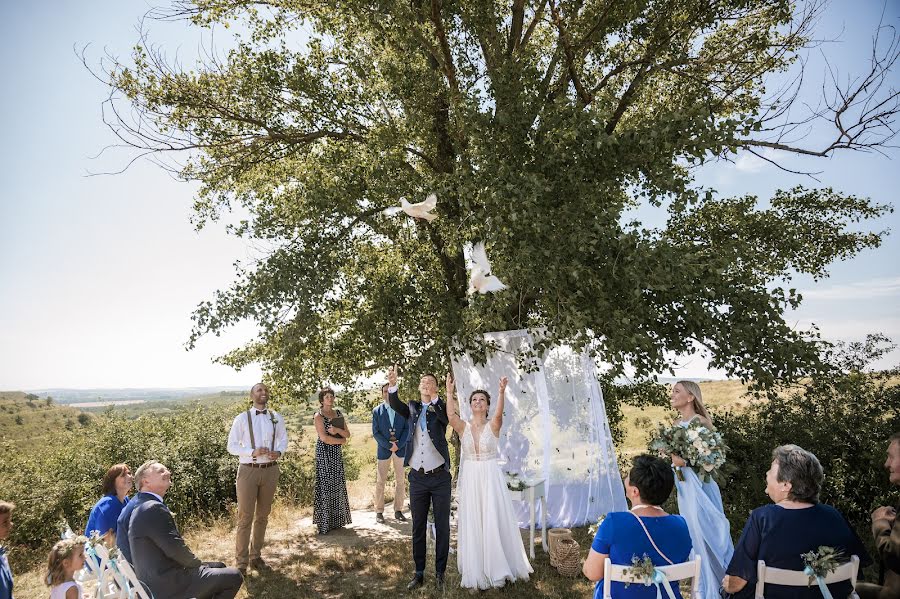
{"points": [[540, 125]]}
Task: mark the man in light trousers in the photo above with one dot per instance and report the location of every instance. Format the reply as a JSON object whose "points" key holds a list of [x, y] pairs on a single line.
{"points": [[258, 437], [391, 434]]}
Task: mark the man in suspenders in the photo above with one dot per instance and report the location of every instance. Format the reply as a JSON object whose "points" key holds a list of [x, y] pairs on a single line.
{"points": [[258, 437]]}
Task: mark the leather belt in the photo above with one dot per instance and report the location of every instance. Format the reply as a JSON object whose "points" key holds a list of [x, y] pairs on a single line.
{"points": [[266, 465], [427, 472]]}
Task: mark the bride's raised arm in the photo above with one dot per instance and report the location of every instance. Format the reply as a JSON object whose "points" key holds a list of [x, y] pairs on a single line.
{"points": [[497, 420], [453, 418]]}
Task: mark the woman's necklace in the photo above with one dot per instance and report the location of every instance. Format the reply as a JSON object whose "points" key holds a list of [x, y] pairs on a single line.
{"points": [[641, 505]]}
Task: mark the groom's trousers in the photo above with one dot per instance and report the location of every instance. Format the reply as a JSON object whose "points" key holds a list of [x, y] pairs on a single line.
{"points": [[430, 490]]}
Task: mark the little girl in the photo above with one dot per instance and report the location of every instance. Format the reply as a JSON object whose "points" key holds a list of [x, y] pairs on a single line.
{"points": [[66, 558]]}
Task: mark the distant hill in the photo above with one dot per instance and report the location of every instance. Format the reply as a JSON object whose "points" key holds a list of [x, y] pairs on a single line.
{"points": [[128, 394], [26, 418]]}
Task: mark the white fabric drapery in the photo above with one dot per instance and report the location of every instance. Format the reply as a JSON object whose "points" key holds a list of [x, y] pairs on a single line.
{"points": [[554, 426]]}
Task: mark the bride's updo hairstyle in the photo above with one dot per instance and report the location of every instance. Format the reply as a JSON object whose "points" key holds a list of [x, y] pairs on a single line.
{"points": [[487, 396]]}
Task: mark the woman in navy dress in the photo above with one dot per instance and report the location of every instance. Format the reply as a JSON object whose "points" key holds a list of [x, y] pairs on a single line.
{"points": [[796, 523], [331, 506], [105, 513], [623, 535]]}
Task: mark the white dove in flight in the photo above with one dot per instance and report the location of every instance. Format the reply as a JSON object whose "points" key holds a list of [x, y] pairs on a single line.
{"points": [[480, 277], [420, 210]]}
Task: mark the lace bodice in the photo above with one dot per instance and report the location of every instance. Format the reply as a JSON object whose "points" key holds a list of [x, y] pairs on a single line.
{"points": [[484, 449]]}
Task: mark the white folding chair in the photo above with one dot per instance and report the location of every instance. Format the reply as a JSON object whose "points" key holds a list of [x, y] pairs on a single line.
{"points": [[134, 588], [798, 578], [91, 570], [674, 573], [109, 585]]}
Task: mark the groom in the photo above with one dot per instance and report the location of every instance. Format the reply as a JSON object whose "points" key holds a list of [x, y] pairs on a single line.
{"points": [[429, 476]]}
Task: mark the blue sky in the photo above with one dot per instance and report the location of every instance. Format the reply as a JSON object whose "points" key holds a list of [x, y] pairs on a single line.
{"points": [[100, 274]]}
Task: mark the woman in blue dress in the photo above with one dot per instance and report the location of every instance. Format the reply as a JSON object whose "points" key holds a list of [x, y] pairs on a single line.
{"points": [[795, 523], [644, 530], [701, 502], [105, 513]]}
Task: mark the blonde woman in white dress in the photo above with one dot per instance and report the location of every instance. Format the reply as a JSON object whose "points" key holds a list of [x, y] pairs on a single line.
{"points": [[490, 551]]}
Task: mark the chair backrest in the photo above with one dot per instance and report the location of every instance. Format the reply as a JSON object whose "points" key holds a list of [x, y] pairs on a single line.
{"points": [[135, 588], [684, 570], [108, 584], [797, 578], [92, 568]]}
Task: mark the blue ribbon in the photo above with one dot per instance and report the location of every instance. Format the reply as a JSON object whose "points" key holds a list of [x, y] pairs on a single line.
{"points": [[659, 579], [822, 586]]}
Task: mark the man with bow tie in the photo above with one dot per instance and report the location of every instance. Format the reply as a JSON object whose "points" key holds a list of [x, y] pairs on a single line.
{"points": [[258, 437], [428, 458], [161, 558]]}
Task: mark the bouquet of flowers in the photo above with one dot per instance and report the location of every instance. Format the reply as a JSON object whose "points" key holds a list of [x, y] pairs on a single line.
{"points": [[702, 448], [822, 562], [641, 570], [513, 482]]}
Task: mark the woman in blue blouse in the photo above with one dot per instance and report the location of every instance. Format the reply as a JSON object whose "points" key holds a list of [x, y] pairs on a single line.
{"points": [[623, 535], [6, 579], [105, 513], [796, 523]]}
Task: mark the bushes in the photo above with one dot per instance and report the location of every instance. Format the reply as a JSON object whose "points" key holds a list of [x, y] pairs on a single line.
{"points": [[63, 479], [844, 419]]}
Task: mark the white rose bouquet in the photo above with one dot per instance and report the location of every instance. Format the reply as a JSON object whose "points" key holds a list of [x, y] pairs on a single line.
{"points": [[703, 449]]}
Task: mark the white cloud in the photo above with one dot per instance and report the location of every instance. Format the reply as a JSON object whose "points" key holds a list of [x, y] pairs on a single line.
{"points": [[872, 288]]}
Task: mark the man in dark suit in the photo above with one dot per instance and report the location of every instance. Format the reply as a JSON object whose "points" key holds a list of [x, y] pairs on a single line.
{"points": [[428, 457], [887, 535], [391, 433], [161, 559], [124, 521]]}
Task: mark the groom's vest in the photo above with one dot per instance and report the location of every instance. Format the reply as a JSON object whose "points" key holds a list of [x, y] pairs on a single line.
{"points": [[437, 429]]}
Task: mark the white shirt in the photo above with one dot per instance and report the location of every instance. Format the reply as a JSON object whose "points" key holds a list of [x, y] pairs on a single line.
{"points": [[424, 454], [263, 431]]}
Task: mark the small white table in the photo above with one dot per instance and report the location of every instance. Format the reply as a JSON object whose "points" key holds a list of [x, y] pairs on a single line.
{"points": [[534, 489]]}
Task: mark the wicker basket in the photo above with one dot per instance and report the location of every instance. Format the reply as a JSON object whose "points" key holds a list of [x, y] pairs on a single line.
{"points": [[568, 557], [554, 535]]}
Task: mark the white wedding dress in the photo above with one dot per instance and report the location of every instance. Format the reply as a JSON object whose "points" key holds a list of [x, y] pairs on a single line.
{"points": [[490, 551]]}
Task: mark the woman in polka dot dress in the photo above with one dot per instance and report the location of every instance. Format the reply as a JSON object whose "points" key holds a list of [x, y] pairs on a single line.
{"points": [[331, 508]]}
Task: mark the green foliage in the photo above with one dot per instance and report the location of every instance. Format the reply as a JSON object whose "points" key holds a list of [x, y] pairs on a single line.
{"points": [[640, 394], [64, 479], [540, 128], [844, 419]]}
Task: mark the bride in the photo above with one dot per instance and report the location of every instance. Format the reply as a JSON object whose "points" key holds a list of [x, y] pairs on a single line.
{"points": [[700, 503], [490, 549]]}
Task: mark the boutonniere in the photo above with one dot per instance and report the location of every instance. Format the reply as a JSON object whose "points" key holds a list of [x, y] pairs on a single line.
{"points": [[272, 418], [430, 408]]}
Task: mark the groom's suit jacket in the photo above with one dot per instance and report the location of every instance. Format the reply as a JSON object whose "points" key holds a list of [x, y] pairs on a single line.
{"points": [[436, 421], [381, 431]]}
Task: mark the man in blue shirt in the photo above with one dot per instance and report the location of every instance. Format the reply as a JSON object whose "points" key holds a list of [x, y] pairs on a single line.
{"points": [[6, 580], [391, 434]]}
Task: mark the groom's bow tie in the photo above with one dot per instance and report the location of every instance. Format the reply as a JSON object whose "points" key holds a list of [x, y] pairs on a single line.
{"points": [[258, 412]]}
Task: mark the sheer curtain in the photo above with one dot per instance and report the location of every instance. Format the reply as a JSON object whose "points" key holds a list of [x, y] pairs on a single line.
{"points": [[554, 425]]}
